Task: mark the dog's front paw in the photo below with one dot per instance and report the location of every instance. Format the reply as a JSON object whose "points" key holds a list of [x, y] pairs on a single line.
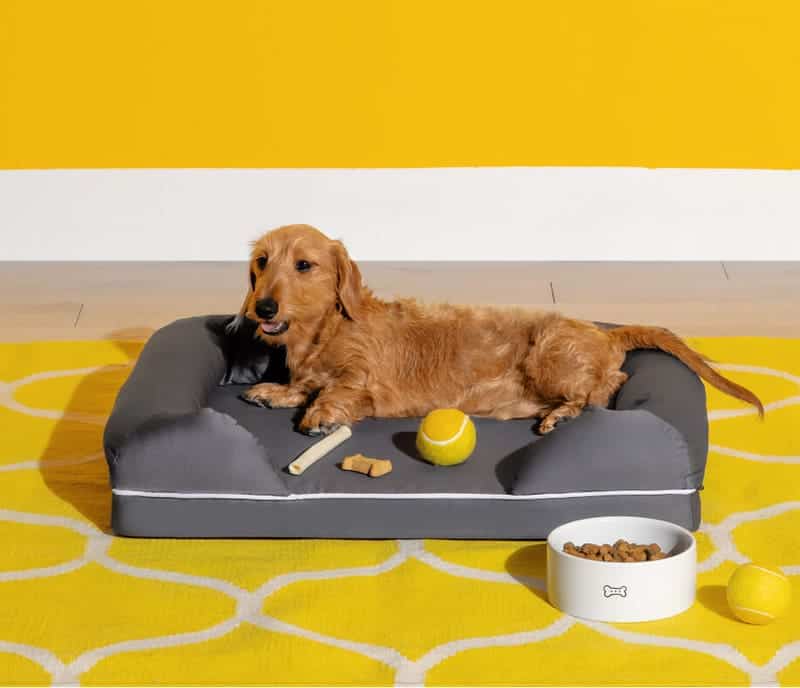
{"points": [[254, 398], [272, 395], [319, 430], [320, 421]]}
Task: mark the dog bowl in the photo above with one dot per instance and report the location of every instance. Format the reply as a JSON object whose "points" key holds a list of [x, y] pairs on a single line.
{"points": [[622, 591]]}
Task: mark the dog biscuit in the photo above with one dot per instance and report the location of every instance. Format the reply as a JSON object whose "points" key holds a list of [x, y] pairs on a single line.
{"points": [[374, 468]]}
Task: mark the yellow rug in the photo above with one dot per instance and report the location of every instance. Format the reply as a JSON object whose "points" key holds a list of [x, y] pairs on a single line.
{"points": [[78, 605]]}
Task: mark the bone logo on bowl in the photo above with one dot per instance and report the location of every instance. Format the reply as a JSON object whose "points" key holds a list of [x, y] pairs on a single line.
{"points": [[610, 590]]}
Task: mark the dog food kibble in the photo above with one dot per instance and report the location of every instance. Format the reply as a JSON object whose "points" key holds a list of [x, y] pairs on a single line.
{"points": [[621, 550]]}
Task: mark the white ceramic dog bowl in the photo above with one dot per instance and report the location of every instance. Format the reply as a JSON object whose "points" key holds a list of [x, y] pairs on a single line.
{"points": [[622, 591]]}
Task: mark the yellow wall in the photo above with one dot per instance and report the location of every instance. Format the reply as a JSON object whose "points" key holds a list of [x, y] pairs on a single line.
{"points": [[384, 83]]}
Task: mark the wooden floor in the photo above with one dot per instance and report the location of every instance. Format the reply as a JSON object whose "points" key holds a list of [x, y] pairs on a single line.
{"points": [[130, 300]]}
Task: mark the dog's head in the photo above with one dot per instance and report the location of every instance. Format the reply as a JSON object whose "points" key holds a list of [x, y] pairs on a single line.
{"points": [[298, 275]]}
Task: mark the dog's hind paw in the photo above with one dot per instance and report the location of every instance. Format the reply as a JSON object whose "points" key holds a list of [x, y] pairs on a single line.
{"points": [[553, 420]]}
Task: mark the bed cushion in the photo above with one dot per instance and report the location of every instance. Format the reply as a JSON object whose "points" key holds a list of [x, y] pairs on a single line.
{"points": [[188, 458]]}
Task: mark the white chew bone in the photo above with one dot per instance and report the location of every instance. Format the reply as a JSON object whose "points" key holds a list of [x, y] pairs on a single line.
{"points": [[608, 591], [317, 451]]}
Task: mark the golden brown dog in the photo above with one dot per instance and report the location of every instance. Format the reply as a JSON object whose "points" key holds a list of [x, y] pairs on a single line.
{"points": [[363, 356]]}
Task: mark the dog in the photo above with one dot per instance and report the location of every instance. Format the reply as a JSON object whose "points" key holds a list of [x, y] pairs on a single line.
{"points": [[351, 355]]}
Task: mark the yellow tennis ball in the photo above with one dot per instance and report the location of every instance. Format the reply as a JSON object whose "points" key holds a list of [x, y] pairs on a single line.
{"points": [[446, 437], [758, 594]]}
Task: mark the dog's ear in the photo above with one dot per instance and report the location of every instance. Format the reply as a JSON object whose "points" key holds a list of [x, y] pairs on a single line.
{"points": [[239, 318], [348, 282]]}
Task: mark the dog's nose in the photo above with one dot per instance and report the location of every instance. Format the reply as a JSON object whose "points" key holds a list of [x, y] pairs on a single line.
{"points": [[266, 308]]}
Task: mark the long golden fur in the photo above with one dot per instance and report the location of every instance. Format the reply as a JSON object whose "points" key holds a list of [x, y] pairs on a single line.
{"points": [[363, 356]]}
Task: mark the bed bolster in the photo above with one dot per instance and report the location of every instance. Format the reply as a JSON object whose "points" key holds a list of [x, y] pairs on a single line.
{"points": [[182, 454], [661, 384], [603, 450], [176, 371]]}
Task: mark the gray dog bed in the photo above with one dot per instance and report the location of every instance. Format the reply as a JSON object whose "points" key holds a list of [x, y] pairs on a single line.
{"points": [[188, 458]]}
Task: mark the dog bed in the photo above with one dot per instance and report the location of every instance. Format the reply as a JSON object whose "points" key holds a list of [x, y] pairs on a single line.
{"points": [[188, 458]]}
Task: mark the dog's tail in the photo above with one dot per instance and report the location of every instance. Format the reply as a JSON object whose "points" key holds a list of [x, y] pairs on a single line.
{"points": [[638, 337]]}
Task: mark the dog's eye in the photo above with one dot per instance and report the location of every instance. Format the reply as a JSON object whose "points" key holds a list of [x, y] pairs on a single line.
{"points": [[261, 262], [302, 266]]}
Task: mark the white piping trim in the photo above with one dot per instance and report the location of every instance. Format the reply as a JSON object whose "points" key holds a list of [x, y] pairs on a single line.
{"points": [[450, 440], [361, 495]]}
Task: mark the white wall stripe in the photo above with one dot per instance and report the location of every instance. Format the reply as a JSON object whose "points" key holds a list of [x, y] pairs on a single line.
{"points": [[596, 213]]}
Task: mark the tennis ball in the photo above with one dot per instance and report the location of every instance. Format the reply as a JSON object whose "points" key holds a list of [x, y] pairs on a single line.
{"points": [[446, 437], [758, 594]]}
